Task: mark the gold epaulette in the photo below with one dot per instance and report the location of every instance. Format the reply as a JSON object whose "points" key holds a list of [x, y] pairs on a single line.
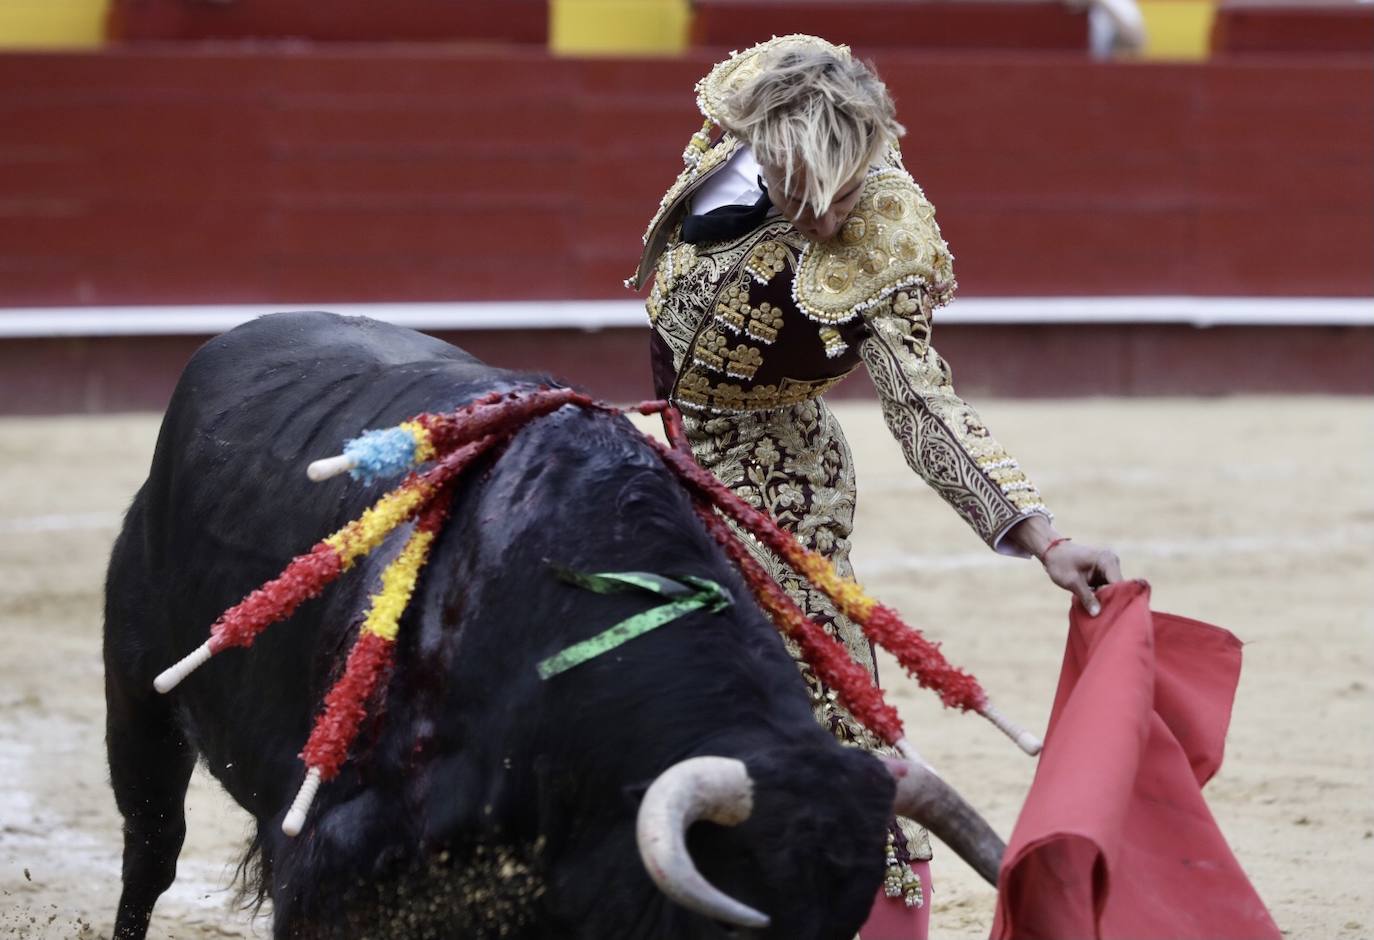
{"points": [[889, 247]]}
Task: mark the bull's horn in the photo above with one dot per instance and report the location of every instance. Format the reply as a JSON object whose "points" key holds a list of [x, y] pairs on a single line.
{"points": [[924, 797], [717, 789]]}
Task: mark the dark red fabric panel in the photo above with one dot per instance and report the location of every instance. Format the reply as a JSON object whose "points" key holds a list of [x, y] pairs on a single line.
{"points": [[522, 21], [1115, 840], [904, 24], [1295, 26]]}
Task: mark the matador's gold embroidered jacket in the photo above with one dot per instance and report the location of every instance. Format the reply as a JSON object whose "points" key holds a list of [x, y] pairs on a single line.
{"points": [[750, 331], [770, 319]]}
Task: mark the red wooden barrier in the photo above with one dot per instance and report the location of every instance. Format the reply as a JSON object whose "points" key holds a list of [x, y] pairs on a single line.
{"points": [[1306, 26], [520, 21], [376, 173], [895, 24]]}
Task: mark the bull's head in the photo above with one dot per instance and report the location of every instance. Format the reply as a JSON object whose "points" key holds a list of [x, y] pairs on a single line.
{"points": [[720, 790]]}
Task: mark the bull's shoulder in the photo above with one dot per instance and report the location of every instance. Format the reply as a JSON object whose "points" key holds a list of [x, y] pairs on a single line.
{"points": [[286, 363], [257, 403], [290, 337]]}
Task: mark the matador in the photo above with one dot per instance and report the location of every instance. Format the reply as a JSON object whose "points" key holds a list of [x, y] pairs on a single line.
{"points": [[793, 248]]}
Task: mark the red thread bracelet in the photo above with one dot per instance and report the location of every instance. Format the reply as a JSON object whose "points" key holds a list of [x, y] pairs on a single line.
{"points": [[1048, 548]]}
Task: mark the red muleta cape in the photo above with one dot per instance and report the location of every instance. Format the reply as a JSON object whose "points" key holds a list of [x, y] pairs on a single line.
{"points": [[1115, 840]]}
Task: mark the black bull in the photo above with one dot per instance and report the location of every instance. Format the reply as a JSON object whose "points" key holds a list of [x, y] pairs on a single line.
{"points": [[479, 800]]}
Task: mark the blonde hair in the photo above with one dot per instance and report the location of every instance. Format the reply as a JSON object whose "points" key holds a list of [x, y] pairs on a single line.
{"points": [[808, 108]]}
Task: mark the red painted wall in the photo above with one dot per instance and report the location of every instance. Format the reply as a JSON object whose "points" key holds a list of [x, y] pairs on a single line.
{"points": [[1270, 26], [328, 174], [901, 24], [523, 21]]}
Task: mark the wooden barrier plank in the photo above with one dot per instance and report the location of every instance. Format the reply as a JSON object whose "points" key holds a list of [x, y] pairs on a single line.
{"points": [[72, 174], [1285, 182], [1293, 26], [517, 21], [137, 230], [926, 24], [1020, 178], [127, 71], [489, 228], [1271, 252], [1324, 107], [87, 279], [141, 124], [1073, 252], [409, 276], [439, 173]]}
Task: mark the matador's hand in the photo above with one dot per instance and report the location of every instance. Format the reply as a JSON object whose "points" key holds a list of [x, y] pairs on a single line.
{"points": [[1080, 568], [1076, 568]]}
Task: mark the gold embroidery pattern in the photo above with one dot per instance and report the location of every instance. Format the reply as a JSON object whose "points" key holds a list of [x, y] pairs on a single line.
{"points": [[732, 307], [708, 161], [684, 278], [767, 260], [711, 350], [671, 266], [941, 435], [765, 323], [832, 341], [889, 244], [696, 170], [699, 144], [676, 302], [795, 465], [734, 312], [744, 362], [696, 391]]}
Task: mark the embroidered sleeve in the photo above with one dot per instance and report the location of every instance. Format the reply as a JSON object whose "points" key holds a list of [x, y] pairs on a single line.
{"points": [[942, 437]]}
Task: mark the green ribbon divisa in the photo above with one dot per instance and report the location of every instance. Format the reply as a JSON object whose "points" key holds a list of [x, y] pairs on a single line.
{"points": [[685, 596]]}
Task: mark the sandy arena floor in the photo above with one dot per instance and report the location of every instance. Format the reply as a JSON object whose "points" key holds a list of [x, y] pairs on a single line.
{"points": [[1254, 513]]}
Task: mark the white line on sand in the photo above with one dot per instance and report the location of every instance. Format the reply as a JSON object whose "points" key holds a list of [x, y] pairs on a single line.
{"points": [[1307, 543], [207, 319], [62, 522]]}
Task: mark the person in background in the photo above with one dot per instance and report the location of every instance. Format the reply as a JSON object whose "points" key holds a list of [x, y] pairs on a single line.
{"points": [[793, 249]]}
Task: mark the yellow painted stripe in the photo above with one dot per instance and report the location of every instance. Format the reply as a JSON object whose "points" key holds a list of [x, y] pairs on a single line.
{"points": [[52, 24], [615, 27], [1180, 30]]}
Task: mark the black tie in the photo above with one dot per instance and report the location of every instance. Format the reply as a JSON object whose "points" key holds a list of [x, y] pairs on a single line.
{"points": [[726, 222]]}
